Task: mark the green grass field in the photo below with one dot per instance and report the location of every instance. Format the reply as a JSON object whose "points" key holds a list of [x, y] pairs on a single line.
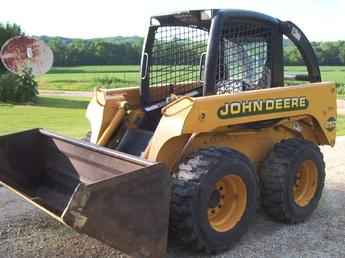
{"points": [[329, 73], [85, 78], [67, 115], [62, 115]]}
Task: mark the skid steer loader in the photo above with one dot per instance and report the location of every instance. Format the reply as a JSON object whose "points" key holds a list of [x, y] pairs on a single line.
{"points": [[213, 130]]}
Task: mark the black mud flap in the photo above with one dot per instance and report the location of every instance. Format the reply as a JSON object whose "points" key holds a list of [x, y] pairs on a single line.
{"points": [[114, 197]]}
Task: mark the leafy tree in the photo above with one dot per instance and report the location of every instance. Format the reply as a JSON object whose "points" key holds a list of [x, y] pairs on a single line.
{"points": [[73, 52], [328, 53], [18, 88]]}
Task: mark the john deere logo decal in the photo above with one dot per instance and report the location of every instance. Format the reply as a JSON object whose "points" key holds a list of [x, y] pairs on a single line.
{"points": [[331, 124], [262, 106]]}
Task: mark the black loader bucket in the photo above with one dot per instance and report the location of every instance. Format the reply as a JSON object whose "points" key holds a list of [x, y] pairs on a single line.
{"points": [[116, 198]]}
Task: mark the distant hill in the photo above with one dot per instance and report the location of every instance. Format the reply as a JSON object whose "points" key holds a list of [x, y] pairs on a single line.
{"points": [[133, 40], [121, 39], [113, 40], [120, 50], [96, 51], [65, 40]]}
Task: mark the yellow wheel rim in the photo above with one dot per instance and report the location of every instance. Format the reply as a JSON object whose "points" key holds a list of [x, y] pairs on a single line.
{"points": [[305, 183], [227, 203]]}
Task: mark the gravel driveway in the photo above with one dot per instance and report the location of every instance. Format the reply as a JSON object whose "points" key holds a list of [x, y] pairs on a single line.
{"points": [[27, 232]]}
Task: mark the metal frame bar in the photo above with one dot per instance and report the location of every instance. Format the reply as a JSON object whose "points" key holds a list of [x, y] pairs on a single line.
{"points": [[215, 26], [295, 34]]}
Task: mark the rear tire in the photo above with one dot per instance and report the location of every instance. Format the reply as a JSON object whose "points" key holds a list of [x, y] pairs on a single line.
{"points": [[214, 199], [292, 178]]}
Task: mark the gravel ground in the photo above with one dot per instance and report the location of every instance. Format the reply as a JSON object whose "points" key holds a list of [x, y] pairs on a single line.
{"points": [[27, 232]]}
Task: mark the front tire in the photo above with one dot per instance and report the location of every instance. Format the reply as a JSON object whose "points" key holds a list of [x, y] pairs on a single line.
{"points": [[214, 199], [292, 178]]}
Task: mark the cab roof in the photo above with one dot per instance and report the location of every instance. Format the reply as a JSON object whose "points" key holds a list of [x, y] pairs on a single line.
{"points": [[204, 16]]}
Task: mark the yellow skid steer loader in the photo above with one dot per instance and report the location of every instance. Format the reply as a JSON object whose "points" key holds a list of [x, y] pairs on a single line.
{"points": [[213, 129]]}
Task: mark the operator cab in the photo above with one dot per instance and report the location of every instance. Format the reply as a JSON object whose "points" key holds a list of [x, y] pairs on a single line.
{"points": [[211, 52], [207, 52]]}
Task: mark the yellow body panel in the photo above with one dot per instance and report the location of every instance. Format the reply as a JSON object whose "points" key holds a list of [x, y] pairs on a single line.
{"points": [[200, 115], [188, 124]]}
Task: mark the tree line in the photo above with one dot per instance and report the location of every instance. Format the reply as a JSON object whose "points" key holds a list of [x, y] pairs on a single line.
{"points": [[98, 52], [328, 53], [127, 51], [94, 52]]}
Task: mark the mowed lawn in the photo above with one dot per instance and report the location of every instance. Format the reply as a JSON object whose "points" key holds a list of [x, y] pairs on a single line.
{"points": [[62, 115], [67, 115], [328, 73], [85, 78]]}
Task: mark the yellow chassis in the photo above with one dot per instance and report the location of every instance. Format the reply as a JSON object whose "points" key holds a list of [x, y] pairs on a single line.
{"points": [[188, 124]]}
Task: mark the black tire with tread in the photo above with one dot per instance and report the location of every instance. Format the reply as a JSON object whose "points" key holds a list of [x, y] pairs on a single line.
{"points": [[188, 225], [277, 178]]}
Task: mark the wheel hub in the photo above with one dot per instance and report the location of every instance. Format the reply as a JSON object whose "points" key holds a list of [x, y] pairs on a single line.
{"points": [[306, 182], [227, 203]]}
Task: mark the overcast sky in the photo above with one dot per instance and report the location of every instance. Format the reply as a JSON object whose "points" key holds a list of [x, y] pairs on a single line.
{"points": [[319, 19]]}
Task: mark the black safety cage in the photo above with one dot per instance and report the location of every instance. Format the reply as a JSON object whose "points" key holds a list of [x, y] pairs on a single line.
{"points": [[217, 52], [175, 59], [244, 60]]}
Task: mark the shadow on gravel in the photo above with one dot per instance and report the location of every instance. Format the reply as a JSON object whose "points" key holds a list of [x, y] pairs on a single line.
{"points": [[261, 227]]}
